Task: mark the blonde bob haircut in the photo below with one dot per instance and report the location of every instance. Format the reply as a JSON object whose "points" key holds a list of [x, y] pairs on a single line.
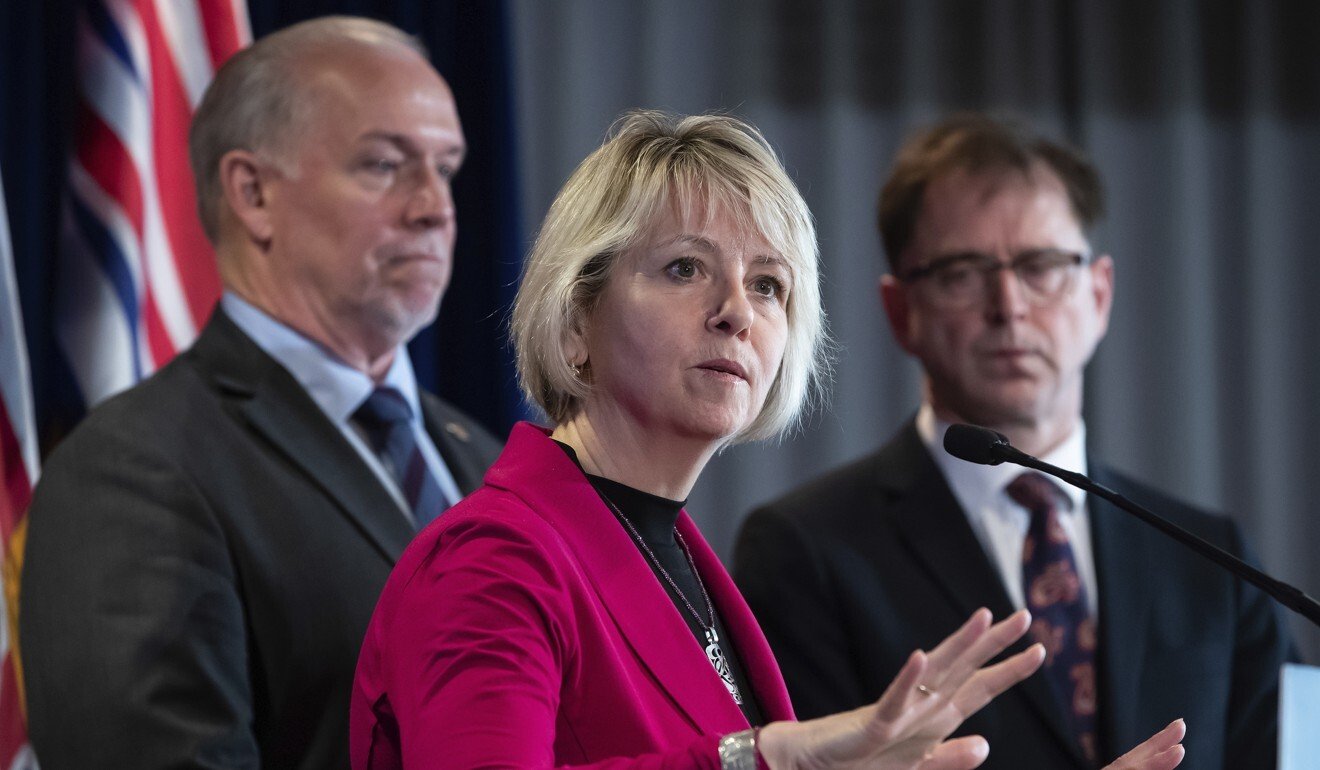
{"points": [[649, 161]]}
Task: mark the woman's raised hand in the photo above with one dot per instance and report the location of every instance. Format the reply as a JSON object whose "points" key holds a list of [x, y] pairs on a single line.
{"points": [[1161, 751], [932, 694]]}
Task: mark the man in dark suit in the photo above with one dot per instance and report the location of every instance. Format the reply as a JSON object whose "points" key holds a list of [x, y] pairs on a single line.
{"points": [[206, 549], [994, 289]]}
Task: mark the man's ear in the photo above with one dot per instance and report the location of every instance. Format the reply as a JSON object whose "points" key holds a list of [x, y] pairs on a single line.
{"points": [[1102, 290], [245, 187], [894, 298]]}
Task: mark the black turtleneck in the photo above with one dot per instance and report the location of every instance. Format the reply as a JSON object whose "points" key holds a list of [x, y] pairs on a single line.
{"points": [[655, 519]]}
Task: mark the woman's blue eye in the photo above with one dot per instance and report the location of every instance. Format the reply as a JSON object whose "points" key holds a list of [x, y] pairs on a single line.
{"points": [[768, 286], [683, 268]]}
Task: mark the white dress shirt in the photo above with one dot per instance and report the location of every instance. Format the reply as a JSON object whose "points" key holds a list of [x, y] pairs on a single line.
{"points": [[1001, 524], [339, 390]]}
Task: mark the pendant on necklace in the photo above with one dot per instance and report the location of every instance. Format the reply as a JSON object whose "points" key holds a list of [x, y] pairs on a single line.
{"points": [[721, 664]]}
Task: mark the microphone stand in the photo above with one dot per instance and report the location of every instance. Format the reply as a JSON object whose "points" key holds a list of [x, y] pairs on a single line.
{"points": [[1285, 594]]}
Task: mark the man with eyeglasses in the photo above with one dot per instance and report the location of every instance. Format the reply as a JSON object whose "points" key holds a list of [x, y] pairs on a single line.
{"points": [[995, 290]]}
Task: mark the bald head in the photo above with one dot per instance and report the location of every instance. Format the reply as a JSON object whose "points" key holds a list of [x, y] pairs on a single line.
{"points": [[263, 97]]}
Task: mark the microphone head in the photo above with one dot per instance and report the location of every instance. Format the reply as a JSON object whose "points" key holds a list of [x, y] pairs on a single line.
{"points": [[976, 444]]}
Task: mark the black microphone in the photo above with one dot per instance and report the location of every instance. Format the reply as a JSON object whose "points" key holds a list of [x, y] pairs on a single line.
{"points": [[976, 444], [987, 447]]}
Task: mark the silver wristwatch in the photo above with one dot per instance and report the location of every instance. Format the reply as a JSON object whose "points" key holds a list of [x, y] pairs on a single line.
{"points": [[738, 751]]}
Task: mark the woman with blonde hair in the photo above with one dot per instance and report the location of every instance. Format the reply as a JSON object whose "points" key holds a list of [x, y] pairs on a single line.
{"points": [[569, 612]]}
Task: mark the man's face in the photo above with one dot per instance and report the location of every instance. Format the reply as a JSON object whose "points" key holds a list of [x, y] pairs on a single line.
{"points": [[1006, 359], [361, 216]]}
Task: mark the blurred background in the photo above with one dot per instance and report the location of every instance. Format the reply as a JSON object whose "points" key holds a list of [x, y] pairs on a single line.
{"points": [[1204, 118]]}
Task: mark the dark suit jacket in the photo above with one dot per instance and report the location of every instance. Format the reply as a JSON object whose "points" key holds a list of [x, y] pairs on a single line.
{"points": [[204, 554], [851, 572], [525, 629]]}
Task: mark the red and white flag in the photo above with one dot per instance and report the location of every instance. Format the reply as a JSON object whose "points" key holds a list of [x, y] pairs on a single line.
{"points": [[18, 472], [138, 277]]}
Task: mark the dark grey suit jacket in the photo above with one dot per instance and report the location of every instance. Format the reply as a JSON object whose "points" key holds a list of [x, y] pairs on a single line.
{"points": [[204, 554], [851, 572]]}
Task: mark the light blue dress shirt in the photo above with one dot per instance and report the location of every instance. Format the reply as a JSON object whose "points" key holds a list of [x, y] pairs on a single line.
{"points": [[339, 390]]}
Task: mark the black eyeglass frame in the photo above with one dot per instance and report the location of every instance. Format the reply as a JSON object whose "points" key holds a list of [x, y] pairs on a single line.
{"points": [[1072, 261]]}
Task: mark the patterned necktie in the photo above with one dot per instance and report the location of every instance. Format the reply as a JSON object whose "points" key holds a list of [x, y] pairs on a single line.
{"points": [[1057, 600], [386, 419]]}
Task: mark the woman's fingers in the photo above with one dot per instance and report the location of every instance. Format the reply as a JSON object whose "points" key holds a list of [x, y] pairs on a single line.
{"points": [[901, 692], [1160, 751], [938, 677], [958, 754], [934, 692], [957, 643], [1166, 760], [951, 665], [987, 683]]}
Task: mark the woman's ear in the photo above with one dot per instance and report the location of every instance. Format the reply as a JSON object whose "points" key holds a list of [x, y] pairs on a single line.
{"points": [[575, 346]]}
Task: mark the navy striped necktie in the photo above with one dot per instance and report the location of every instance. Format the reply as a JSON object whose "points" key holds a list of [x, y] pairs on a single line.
{"points": [[386, 419], [1060, 618]]}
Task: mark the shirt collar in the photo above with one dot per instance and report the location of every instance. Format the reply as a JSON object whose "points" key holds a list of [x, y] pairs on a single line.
{"points": [[336, 387], [977, 485]]}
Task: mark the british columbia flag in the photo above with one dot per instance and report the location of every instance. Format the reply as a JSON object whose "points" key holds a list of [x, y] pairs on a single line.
{"points": [[137, 277], [18, 473]]}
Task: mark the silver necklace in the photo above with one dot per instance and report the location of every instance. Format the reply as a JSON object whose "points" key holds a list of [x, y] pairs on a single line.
{"points": [[713, 651]]}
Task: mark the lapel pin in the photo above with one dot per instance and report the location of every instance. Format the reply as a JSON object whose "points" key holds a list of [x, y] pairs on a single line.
{"points": [[457, 431]]}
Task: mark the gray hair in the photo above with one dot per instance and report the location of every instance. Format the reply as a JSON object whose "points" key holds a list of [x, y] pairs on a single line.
{"points": [[648, 161], [258, 99]]}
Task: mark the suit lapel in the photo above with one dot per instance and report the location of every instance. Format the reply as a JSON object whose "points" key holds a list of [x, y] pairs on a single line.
{"points": [[451, 436], [935, 528], [323, 454], [936, 531], [1120, 547], [277, 408], [545, 477]]}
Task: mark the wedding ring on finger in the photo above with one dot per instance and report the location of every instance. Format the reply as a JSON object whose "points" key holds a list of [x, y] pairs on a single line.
{"points": [[924, 690]]}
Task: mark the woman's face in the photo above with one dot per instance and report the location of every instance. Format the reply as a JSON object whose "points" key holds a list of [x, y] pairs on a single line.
{"points": [[689, 331]]}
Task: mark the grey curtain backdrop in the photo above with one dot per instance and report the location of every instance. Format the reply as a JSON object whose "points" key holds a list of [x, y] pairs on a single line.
{"points": [[1203, 117]]}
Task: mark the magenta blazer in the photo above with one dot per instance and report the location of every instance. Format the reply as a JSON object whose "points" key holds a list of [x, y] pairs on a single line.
{"points": [[523, 629]]}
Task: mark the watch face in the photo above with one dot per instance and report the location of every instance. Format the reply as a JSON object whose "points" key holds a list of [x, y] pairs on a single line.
{"points": [[738, 751]]}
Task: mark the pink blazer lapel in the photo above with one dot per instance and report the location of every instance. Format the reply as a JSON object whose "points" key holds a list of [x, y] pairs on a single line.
{"points": [[753, 649], [556, 489]]}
